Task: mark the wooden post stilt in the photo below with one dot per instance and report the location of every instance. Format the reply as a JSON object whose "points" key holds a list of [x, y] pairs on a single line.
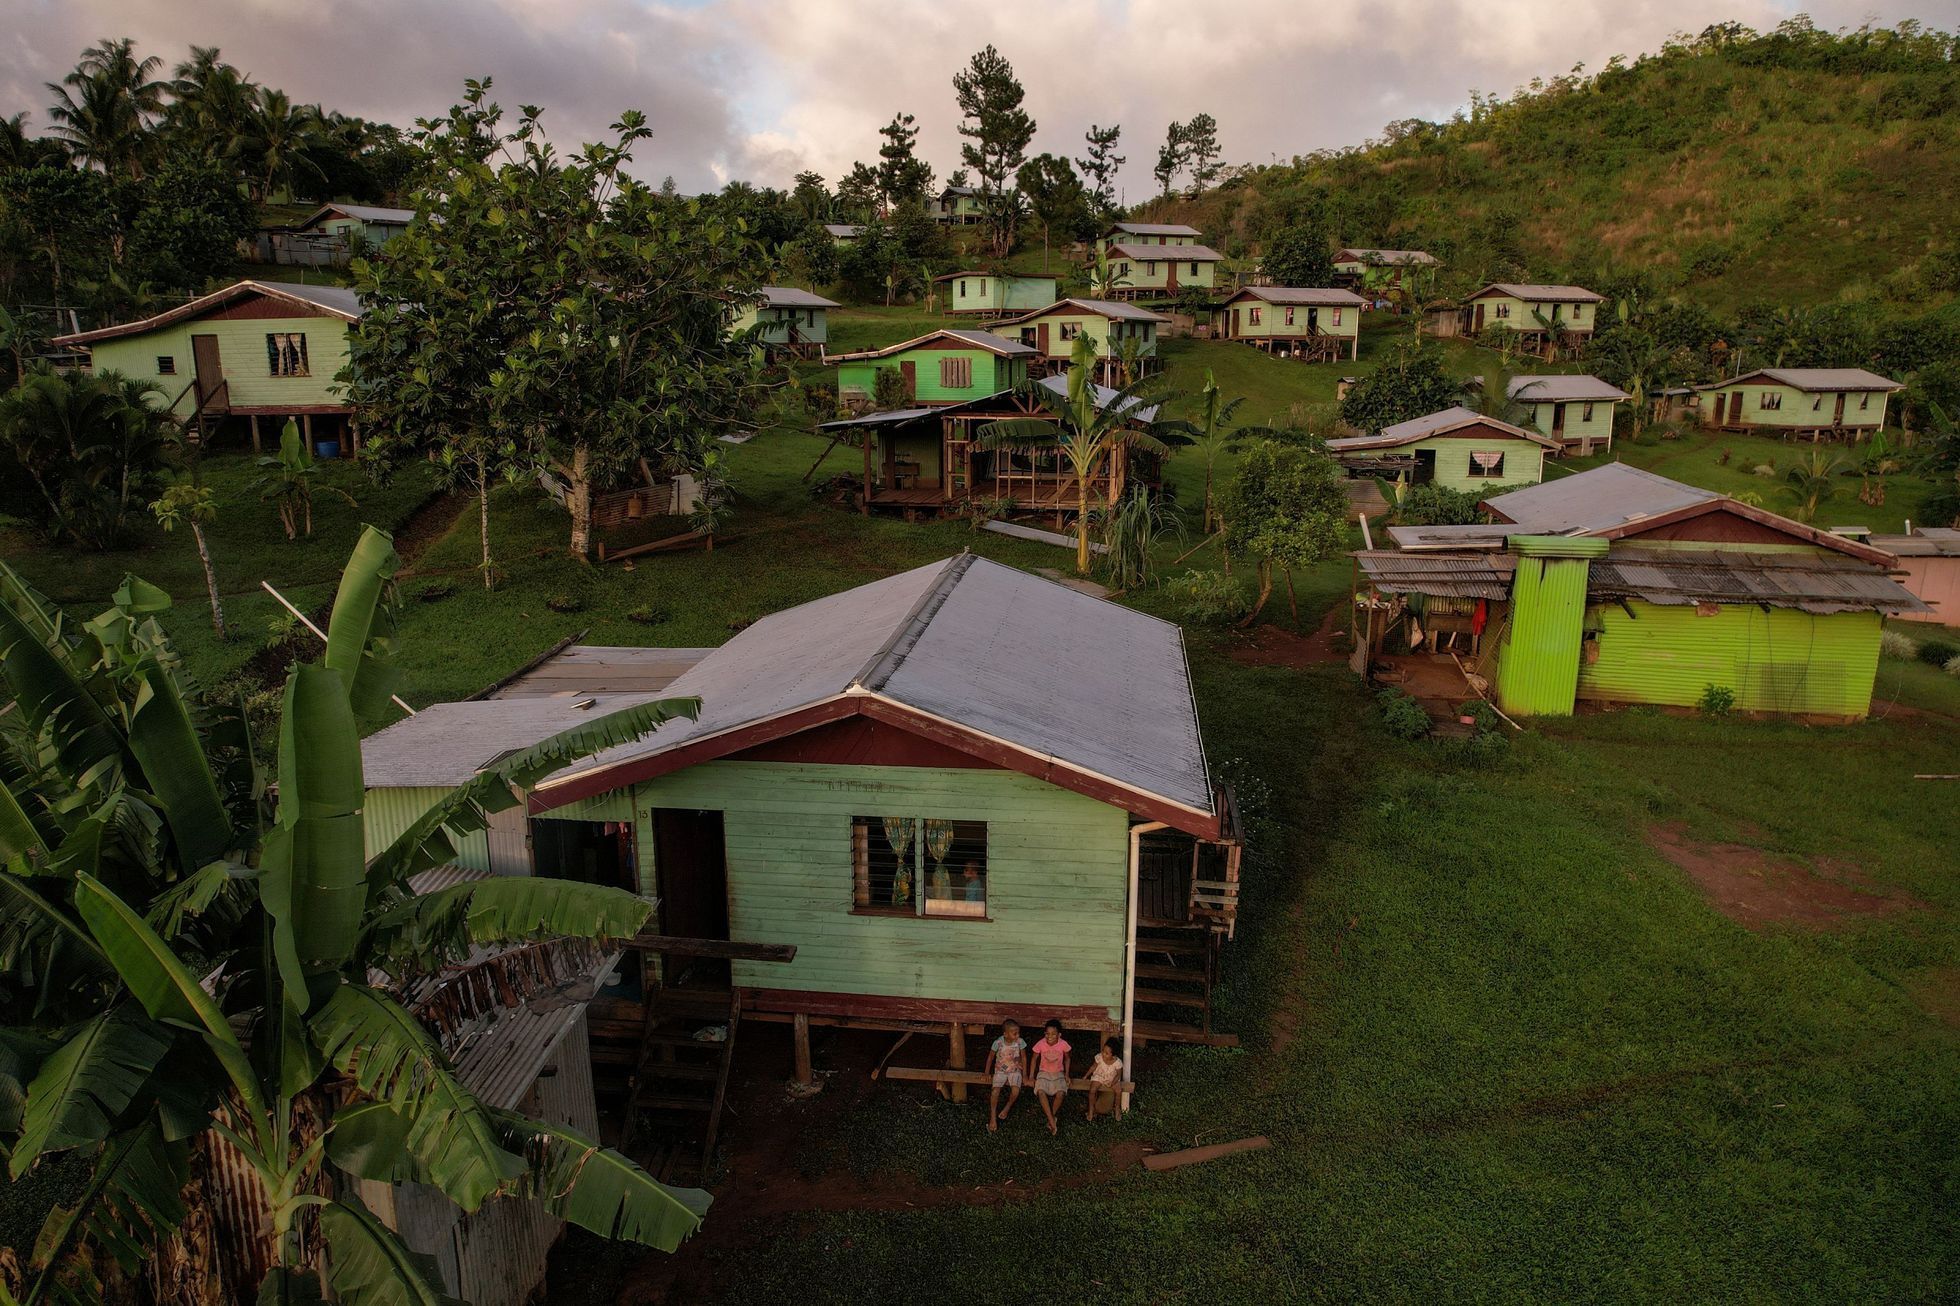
{"points": [[805, 1076], [256, 448], [306, 430], [865, 507], [956, 1057]]}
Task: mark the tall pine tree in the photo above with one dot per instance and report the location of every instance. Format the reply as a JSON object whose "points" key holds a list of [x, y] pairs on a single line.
{"points": [[998, 130], [1101, 167]]}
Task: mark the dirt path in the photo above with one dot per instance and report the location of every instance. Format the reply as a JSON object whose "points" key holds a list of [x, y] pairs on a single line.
{"points": [[1758, 889], [1272, 645]]}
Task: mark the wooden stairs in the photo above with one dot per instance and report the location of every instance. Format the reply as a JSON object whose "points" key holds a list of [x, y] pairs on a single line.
{"points": [[679, 1086], [1177, 968]]}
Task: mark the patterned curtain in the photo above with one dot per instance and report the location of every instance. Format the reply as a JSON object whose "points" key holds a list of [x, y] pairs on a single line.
{"points": [[898, 833], [939, 839]]}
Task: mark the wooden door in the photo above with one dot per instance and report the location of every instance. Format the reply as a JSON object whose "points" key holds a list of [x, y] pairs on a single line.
{"points": [[692, 863], [1721, 409], [910, 371], [209, 367], [1041, 338], [1480, 319], [1837, 418], [1558, 420], [1313, 321]]}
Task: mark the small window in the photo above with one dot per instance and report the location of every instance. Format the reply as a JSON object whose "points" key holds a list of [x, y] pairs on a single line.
{"points": [[1503, 310], [1578, 311], [1029, 335], [1289, 317], [1194, 269], [1150, 269], [1585, 414], [1487, 462], [956, 373], [166, 365], [285, 353], [1817, 404], [812, 319], [1253, 314], [962, 290], [1122, 269], [1864, 401], [1070, 330], [912, 866], [1337, 317], [1769, 399]]}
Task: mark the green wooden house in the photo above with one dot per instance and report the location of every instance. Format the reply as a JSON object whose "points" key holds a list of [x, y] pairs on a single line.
{"points": [[1819, 402], [1575, 410], [941, 367], [793, 321], [1147, 233], [1378, 269], [1112, 325], [256, 349], [1317, 325], [958, 206], [1159, 270], [1545, 319], [926, 460], [994, 294], [1456, 448], [882, 781], [1620, 586]]}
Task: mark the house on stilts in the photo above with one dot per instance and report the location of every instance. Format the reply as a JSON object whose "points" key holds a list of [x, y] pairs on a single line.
{"points": [[1312, 324]]}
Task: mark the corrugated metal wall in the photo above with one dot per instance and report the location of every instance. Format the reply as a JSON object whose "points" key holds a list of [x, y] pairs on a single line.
{"points": [[1779, 660], [1539, 667], [503, 849]]}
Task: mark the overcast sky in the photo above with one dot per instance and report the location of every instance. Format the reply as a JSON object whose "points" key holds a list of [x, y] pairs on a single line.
{"points": [[760, 89]]}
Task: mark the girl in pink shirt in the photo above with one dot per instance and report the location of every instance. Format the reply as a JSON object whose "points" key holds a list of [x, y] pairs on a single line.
{"points": [[1051, 1072]]}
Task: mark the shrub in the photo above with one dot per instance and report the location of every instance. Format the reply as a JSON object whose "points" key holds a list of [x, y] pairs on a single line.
{"points": [[649, 616], [1938, 652], [1482, 714], [1952, 667], [1210, 598], [1402, 715], [565, 603], [1892, 644], [1436, 505], [436, 591], [1716, 700]]}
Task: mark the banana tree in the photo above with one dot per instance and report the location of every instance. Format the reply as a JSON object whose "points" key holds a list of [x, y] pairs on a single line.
{"points": [[1092, 425], [1104, 275], [1210, 429], [288, 481], [184, 950]]}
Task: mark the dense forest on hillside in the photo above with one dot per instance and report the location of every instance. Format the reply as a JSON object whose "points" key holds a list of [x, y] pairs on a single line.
{"points": [[1794, 167]]}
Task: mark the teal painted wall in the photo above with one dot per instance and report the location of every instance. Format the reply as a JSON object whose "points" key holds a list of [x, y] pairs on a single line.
{"points": [[242, 355], [812, 325], [999, 294], [1057, 866], [1781, 660]]}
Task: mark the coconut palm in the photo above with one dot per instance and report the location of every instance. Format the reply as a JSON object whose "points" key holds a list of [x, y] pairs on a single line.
{"points": [[1811, 483], [93, 446], [1091, 426], [216, 949], [276, 141], [210, 99], [103, 109]]}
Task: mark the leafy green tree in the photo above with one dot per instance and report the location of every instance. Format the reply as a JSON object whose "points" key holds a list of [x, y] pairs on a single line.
{"points": [[1437, 505], [590, 336], [1091, 425], [857, 193], [68, 216], [1201, 151], [816, 254], [1409, 383], [190, 504], [1299, 256], [812, 197], [1055, 197], [191, 217], [1284, 509], [216, 949], [1172, 156], [903, 177], [997, 131], [95, 448], [1101, 167]]}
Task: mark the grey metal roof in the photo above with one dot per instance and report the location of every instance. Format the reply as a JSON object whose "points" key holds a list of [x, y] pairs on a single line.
{"points": [[586, 669], [1384, 256], [364, 213], [1926, 542], [1110, 308], [1814, 379], [1169, 253], [1438, 423], [1476, 576], [1102, 396], [999, 276], [845, 229], [1319, 295], [1153, 229], [1090, 684], [338, 300], [1811, 582], [445, 744], [1597, 500], [1562, 388], [1421, 538], [890, 417], [791, 297], [1541, 294], [979, 339]]}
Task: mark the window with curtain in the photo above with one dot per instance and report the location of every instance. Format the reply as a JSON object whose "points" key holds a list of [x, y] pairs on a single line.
{"points": [[285, 353], [918, 866], [1487, 462]]}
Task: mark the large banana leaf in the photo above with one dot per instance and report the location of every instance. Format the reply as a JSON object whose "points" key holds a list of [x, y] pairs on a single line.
{"points": [[599, 1189], [395, 1060], [133, 1200], [433, 838], [21, 1054], [314, 882], [284, 1285], [19, 835], [86, 1084], [39, 941], [162, 983], [356, 608], [53, 700], [40, 617], [370, 1141], [167, 748], [432, 928], [369, 1265]]}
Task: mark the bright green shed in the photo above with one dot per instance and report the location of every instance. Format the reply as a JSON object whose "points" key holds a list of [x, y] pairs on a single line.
{"points": [[949, 366]]}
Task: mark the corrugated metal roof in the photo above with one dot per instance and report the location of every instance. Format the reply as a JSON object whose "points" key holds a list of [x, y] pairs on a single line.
{"points": [[1814, 379], [1102, 396], [791, 297], [1153, 229], [1093, 685], [1927, 542], [1418, 538], [1386, 257], [1541, 294], [1440, 423], [998, 276], [845, 229], [890, 417], [1106, 307], [586, 669], [364, 213], [1479, 576], [1561, 388], [987, 340], [1305, 295], [443, 745], [1602, 498], [1169, 253], [338, 300], [1813, 582]]}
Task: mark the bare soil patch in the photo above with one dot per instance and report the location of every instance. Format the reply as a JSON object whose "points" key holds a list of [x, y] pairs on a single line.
{"points": [[1757, 889], [1270, 645], [1937, 991]]}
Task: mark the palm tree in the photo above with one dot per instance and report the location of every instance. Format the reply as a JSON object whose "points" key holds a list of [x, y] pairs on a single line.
{"points": [[215, 948], [210, 99], [104, 108], [1092, 426], [277, 140], [1811, 483], [93, 447], [1638, 363]]}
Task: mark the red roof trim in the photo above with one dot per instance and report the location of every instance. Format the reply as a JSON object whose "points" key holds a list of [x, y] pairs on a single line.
{"points": [[1749, 512], [198, 308]]}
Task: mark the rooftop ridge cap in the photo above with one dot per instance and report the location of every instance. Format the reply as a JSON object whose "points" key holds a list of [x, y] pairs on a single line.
{"points": [[891, 654]]}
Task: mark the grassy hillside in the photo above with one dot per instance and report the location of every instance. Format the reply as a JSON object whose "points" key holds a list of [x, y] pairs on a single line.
{"points": [[1796, 167]]}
